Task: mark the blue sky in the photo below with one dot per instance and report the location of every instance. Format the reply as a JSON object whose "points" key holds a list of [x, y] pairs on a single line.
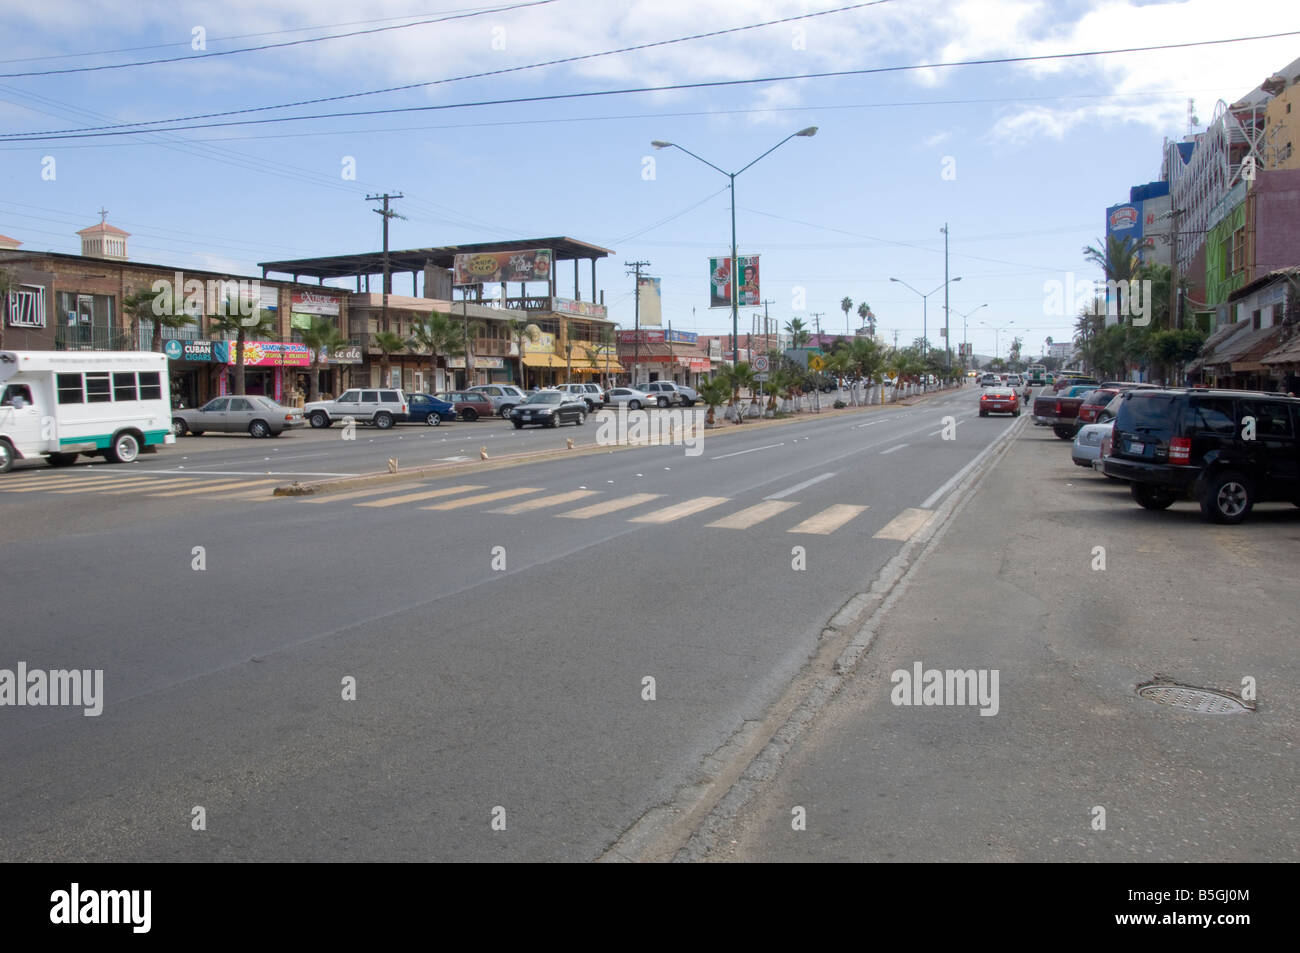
{"points": [[1038, 150]]}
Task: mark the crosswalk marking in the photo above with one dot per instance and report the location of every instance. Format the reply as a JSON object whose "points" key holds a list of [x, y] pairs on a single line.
{"points": [[415, 497], [609, 506], [902, 526], [238, 484], [110, 483], [54, 484], [527, 506], [152, 484], [753, 515], [357, 494], [482, 498], [679, 510], [258, 494], [828, 520]]}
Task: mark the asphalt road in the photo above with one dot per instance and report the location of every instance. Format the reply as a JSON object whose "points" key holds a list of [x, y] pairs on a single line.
{"points": [[477, 687]]}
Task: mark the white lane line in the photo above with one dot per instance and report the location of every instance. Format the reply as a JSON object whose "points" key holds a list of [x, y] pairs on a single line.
{"points": [[799, 486], [892, 449], [956, 478], [870, 424], [742, 452]]}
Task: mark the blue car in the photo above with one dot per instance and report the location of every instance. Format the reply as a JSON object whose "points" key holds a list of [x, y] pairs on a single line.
{"points": [[425, 408]]}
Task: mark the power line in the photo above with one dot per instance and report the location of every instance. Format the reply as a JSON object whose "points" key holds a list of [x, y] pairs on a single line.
{"points": [[670, 87], [456, 79], [275, 46]]}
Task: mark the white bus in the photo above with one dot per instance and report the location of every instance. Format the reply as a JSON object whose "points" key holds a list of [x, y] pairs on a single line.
{"points": [[58, 404]]}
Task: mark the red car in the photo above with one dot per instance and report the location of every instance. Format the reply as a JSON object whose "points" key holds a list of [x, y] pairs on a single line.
{"points": [[999, 400], [469, 405]]}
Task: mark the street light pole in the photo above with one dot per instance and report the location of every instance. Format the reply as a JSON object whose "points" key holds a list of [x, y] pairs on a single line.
{"points": [[925, 325], [731, 177], [965, 356]]}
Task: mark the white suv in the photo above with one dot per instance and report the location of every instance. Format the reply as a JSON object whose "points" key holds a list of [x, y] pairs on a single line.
{"points": [[378, 406], [582, 392], [665, 393], [504, 397]]}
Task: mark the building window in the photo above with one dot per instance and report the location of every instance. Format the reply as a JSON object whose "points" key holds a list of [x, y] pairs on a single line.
{"points": [[1238, 250], [27, 307], [1255, 320]]}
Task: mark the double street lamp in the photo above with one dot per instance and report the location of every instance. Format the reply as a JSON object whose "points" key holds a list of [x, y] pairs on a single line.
{"points": [[966, 357], [997, 351], [735, 283], [925, 300]]}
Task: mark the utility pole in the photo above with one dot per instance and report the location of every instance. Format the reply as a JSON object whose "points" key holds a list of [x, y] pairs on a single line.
{"points": [[1173, 268], [387, 214], [946, 345], [634, 268]]}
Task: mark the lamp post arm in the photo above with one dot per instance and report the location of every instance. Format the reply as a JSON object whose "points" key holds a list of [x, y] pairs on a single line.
{"points": [[702, 159], [769, 151]]}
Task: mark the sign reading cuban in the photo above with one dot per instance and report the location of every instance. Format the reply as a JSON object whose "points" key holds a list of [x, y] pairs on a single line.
{"points": [[312, 302], [271, 354], [477, 268], [218, 351], [720, 282]]}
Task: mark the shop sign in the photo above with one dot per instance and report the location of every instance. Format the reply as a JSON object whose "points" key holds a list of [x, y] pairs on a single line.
{"points": [[271, 354], [480, 363], [348, 354], [585, 308], [312, 302], [218, 351], [478, 268]]}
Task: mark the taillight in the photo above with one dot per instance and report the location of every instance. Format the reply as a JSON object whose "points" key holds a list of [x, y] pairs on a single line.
{"points": [[288, 416], [1180, 450], [1106, 444], [1058, 406]]}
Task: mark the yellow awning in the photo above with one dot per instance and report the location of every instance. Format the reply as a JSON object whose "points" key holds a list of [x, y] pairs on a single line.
{"points": [[614, 368], [543, 360]]}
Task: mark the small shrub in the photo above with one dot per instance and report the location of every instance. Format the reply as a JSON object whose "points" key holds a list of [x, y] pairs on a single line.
{"points": [[839, 405]]}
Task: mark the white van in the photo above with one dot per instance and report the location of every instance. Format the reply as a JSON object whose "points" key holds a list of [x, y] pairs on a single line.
{"points": [[58, 404]]}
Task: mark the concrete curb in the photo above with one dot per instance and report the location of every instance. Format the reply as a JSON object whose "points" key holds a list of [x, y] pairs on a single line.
{"points": [[456, 468]]}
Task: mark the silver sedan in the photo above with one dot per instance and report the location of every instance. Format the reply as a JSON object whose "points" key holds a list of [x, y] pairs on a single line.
{"points": [[251, 414], [635, 399]]}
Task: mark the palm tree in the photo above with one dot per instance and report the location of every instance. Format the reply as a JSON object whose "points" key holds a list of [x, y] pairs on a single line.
{"points": [[846, 305], [159, 307], [714, 392], [739, 376], [798, 332], [866, 360], [434, 336], [258, 324], [389, 343], [869, 319], [838, 363], [521, 331], [470, 329], [321, 336]]}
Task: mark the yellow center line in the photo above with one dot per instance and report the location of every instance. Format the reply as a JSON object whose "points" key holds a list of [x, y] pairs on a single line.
{"points": [[544, 501], [483, 498], [679, 510], [904, 525], [426, 495], [753, 515], [609, 506], [828, 520]]}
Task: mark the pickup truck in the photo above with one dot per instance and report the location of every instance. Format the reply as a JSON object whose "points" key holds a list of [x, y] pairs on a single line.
{"points": [[1066, 423], [1044, 408]]}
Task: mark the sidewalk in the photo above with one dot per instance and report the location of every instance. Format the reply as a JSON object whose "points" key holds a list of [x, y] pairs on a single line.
{"points": [[1010, 587]]}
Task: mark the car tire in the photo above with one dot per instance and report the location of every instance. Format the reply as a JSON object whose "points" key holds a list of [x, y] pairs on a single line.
{"points": [[582, 419], [178, 427], [519, 424], [984, 413], [688, 403], [433, 419], [555, 420], [383, 420], [663, 401], [258, 428], [1015, 413], [320, 419], [505, 411], [469, 415], [61, 459], [1228, 497], [1062, 432], [1151, 497], [6, 456], [634, 405], [125, 448]]}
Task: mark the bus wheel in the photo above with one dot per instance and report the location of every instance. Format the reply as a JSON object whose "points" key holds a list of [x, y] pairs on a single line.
{"points": [[124, 449], [6, 457]]}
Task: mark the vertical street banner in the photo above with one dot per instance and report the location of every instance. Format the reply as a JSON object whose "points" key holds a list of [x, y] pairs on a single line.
{"points": [[651, 301], [720, 278]]}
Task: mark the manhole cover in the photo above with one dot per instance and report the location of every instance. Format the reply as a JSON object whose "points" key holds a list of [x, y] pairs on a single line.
{"points": [[1204, 701]]}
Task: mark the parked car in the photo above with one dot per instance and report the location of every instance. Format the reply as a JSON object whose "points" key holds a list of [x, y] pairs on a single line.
{"points": [[252, 414], [502, 396], [1091, 443], [635, 399], [469, 405], [580, 392], [378, 406], [1067, 409], [1072, 380], [664, 393], [1228, 450], [1044, 408], [999, 400], [988, 380], [690, 397], [595, 395], [549, 408], [427, 409]]}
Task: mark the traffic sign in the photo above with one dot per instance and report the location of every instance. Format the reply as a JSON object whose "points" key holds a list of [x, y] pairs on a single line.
{"points": [[760, 363], [816, 362], [760, 377]]}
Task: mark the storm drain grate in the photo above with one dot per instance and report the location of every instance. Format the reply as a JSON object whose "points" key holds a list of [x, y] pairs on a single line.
{"points": [[1203, 701]]}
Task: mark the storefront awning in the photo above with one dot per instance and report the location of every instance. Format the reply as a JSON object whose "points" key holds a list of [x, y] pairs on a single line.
{"points": [[543, 360], [614, 368]]}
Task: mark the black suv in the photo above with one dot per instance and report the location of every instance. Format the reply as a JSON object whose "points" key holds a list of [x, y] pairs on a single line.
{"points": [[1226, 449]]}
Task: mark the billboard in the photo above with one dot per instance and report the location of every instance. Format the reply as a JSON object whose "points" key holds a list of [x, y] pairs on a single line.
{"points": [[311, 302], [585, 308], [720, 282], [648, 301], [271, 354], [488, 267]]}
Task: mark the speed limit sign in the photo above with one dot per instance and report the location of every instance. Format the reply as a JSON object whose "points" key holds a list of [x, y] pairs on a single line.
{"points": [[760, 363]]}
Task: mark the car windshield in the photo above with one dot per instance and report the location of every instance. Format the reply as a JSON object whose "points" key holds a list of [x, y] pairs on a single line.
{"points": [[545, 397], [1149, 412], [266, 402]]}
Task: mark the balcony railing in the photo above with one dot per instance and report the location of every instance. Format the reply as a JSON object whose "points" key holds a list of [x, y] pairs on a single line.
{"points": [[90, 338]]}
